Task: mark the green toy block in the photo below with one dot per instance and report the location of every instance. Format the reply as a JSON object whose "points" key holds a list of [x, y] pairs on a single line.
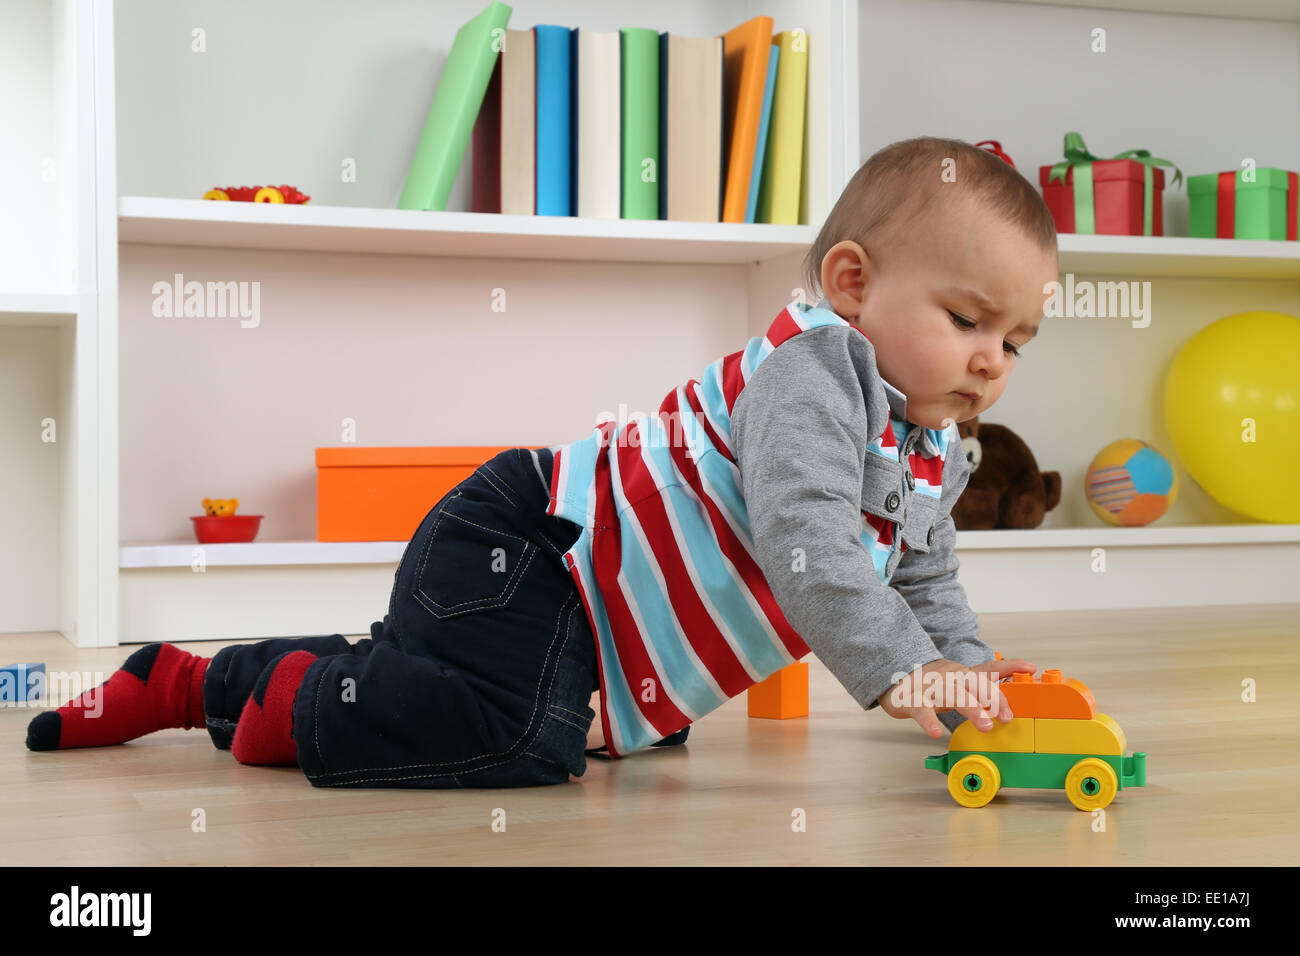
{"points": [[1260, 207]]}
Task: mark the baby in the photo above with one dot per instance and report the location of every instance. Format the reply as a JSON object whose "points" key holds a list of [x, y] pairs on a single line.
{"points": [[794, 499], [820, 465]]}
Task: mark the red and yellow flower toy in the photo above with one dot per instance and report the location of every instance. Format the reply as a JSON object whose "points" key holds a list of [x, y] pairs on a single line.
{"points": [[276, 194]]}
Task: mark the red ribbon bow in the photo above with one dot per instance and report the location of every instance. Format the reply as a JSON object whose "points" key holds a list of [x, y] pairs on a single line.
{"points": [[994, 147]]}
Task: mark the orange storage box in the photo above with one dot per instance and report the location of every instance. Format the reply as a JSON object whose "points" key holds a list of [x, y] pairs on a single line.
{"points": [[382, 494]]}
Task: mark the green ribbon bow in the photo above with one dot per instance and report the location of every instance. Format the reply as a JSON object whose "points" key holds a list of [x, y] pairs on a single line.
{"points": [[1080, 160]]}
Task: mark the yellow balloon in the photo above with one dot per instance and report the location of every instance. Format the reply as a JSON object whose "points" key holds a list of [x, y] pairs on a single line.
{"points": [[1232, 406]]}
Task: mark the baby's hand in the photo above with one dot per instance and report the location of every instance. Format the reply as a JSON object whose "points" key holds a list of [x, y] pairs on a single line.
{"points": [[966, 691]]}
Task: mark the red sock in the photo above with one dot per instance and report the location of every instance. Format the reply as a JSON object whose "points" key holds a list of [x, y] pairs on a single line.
{"points": [[158, 687], [264, 734]]}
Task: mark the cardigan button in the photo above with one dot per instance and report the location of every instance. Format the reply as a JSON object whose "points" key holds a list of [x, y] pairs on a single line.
{"points": [[891, 503], [911, 482], [929, 538]]}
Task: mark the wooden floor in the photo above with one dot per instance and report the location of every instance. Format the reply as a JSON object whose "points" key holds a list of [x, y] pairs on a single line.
{"points": [[1223, 777]]}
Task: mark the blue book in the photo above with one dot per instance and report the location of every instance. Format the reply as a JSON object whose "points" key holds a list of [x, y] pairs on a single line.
{"points": [[760, 147], [554, 120]]}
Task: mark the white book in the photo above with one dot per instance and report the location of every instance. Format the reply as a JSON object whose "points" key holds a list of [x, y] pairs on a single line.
{"points": [[597, 125]]}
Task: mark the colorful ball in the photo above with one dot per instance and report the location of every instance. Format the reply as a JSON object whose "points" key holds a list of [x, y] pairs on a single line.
{"points": [[1232, 406], [1130, 483]]}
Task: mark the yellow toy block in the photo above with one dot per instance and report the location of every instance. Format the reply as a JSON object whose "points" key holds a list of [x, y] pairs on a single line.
{"points": [[1015, 737], [1101, 735], [783, 695]]}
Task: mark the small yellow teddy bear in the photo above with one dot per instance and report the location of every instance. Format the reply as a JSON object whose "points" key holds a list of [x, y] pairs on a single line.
{"points": [[220, 507]]}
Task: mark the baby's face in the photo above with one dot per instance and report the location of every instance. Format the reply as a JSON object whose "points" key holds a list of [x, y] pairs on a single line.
{"points": [[933, 341]]}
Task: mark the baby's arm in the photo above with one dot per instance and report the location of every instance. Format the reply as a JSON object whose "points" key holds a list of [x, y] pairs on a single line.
{"points": [[799, 430], [928, 582]]}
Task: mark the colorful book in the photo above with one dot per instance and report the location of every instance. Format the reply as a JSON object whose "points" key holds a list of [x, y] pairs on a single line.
{"points": [[640, 123], [764, 127], [504, 167], [747, 54], [691, 93], [597, 168], [554, 120], [778, 193], [455, 108], [485, 148]]}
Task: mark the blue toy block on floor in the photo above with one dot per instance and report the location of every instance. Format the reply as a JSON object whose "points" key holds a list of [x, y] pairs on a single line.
{"points": [[20, 683]]}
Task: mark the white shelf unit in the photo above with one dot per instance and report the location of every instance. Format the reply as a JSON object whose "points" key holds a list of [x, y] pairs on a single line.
{"points": [[58, 301], [381, 316]]}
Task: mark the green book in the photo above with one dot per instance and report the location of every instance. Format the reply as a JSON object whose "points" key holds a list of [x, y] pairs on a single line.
{"points": [[455, 107], [640, 68]]}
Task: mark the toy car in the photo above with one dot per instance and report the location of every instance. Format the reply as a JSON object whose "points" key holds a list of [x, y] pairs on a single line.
{"points": [[1057, 740]]}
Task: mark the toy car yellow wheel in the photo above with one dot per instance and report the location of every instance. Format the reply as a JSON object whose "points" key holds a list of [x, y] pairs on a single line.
{"points": [[216, 194], [268, 194], [973, 781], [1091, 784]]}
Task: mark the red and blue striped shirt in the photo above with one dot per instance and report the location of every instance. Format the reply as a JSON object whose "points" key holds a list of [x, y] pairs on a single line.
{"points": [[684, 618]]}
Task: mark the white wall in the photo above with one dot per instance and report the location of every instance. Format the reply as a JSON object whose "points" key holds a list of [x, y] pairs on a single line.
{"points": [[354, 86], [407, 346], [28, 210], [29, 477]]}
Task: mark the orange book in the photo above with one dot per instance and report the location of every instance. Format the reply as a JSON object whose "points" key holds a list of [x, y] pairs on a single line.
{"points": [[745, 51]]}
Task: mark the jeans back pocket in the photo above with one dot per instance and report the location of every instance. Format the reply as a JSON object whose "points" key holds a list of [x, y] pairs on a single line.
{"points": [[467, 562]]}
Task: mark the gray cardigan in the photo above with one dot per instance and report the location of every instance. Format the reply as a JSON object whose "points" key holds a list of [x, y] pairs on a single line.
{"points": [[800, 430]]}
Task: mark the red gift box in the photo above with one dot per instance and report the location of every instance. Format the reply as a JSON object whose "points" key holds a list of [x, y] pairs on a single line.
{"points": [[1117, 197]]}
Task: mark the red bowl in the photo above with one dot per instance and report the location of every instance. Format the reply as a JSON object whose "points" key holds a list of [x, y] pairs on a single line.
{"points": [[225, 529]]}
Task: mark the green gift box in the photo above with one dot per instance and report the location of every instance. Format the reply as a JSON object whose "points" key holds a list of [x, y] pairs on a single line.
{"points": [[1230, 206]]}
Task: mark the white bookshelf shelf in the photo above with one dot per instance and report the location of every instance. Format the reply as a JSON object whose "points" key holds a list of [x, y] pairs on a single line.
{"points": [[261, 553], [268, 553], [1179, 256], [37, 303], [201, 222], [1106, 537], [1284, 10]]}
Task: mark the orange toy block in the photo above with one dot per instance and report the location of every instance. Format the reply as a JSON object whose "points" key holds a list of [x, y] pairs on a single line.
{"points": [[783, 695], [1049, 697]]}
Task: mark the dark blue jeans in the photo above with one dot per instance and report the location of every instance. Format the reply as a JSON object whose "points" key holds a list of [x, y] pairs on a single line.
{"points": [[481, 673]]}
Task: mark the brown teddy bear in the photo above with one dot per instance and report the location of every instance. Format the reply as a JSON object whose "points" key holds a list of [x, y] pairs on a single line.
{"points": [[1006, 489]]}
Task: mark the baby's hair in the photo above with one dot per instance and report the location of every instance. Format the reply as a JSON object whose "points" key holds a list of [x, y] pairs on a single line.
{"points": [[902, 180]]}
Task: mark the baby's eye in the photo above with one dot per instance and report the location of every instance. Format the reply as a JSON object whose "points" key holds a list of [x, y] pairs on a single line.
{"points": [[968, 324]]}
